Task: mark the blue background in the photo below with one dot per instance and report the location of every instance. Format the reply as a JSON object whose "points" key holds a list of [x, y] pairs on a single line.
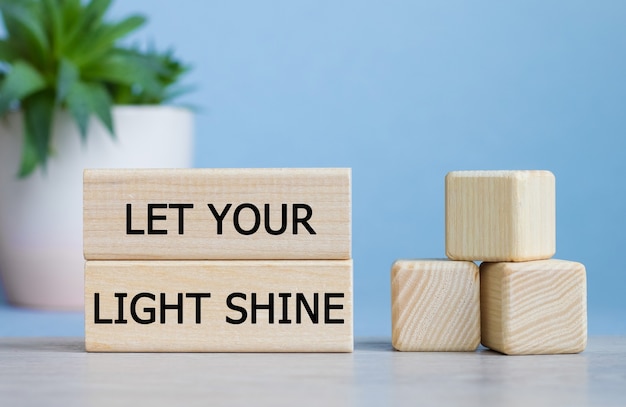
{"points": [[403, 92]]}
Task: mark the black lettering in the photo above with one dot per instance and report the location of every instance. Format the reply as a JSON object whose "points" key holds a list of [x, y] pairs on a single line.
{"points": [[242, 310], [285, 319], [178, 306], [129, 227], [198, 297], [257, 218], [219, 217], [269, 307], [96, 311], [328, 306], [283, 225], [120, 308], [181, 208], [313, 313], [152, 217], [304, 220], [149, 310]]}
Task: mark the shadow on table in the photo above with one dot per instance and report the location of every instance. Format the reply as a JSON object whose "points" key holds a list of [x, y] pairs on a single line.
{"points": [[63, 345], [372, 345]]}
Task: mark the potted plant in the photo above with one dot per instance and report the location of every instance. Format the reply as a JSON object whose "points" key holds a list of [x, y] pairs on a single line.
{"points": [[72, 97]]}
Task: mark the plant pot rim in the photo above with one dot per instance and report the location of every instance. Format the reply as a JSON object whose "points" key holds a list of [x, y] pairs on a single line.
{"points": [[151, 107], [140, 108]]}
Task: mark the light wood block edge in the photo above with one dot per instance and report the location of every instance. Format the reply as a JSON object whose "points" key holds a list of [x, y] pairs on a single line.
{"points": [[537, 307], [435, 305], [500, 215]]}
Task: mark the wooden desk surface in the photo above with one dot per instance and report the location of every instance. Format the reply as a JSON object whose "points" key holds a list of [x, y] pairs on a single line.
{"points": [[57, 372]]}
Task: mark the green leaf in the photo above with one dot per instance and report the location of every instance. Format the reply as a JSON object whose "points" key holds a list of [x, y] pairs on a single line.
{"points": [[38, 111], [84, 99], [90, 16], [38, 114], [80, 107], [123, 69], [21, 81], [103, 39], [176, 92], [56, 26], [114, 68], [7, 53], [29, 159], [123, 28], [70, 10], [96, 10], [68, 75], [101, 105], [135, 77], [23, 22]]}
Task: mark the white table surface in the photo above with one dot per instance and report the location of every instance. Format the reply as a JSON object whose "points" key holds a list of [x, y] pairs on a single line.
{"points": [[57, 372]]}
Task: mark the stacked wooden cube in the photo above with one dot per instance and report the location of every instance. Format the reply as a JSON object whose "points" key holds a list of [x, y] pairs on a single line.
{"points": [[520, 300], [219, 260]]}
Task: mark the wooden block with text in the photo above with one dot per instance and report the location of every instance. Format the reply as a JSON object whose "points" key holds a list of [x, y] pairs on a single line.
{"points": [[203, 214], [535, 307], [500, 215], [435, 305], [218, 306]]}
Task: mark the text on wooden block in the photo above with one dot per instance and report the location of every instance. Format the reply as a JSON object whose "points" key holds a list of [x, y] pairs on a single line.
{"points": [[201, 214], [219, 306]]}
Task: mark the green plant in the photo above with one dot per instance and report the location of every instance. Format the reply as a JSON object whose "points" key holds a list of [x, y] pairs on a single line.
{"points": [[64, 54]]}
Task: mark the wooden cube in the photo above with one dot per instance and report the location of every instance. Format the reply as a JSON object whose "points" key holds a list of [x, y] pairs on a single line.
{"points": [[213, 214], [435, 305], [500, 215], [218, 306], [536, 307]]}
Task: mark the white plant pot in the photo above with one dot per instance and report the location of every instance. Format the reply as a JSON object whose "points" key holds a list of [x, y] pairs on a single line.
{"points": [[41, 217]]}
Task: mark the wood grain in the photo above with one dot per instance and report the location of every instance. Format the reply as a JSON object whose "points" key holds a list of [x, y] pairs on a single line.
{"points": [[330, 331], [435, 305], [537, 307], [244, 234], [500, 215]]}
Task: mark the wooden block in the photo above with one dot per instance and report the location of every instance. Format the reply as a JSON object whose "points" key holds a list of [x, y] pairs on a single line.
{"points": [[435, 305], [536, 307], [500, 215], [236, 214], [254, 306]]}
